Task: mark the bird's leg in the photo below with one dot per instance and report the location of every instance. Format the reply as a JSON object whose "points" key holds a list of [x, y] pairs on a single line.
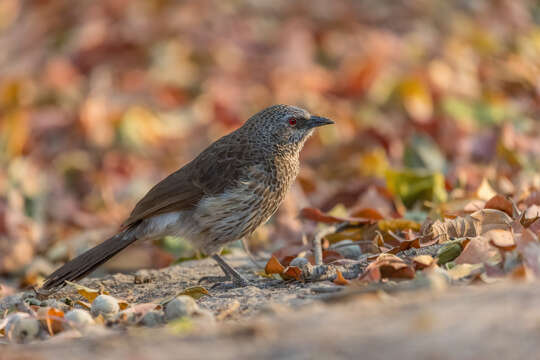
{"points": [[230, 274]]}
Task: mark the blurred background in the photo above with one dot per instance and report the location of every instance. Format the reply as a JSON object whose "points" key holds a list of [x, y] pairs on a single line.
{"points": [[436, 103]]}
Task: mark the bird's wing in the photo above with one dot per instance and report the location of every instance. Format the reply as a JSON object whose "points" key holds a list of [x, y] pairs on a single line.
{"points": [[213, 171]]}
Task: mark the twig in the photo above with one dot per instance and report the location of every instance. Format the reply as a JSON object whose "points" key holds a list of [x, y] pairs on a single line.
{"points": [[317, 243]]}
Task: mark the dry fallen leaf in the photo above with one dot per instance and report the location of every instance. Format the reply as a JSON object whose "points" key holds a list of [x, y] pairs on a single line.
{"points": [[195, 292], [273, 266], [530, 215], [422, 261], [387, 266], [88, 293], [292, 272], [52, 319], [340, 280], [477, 251], [501, 239], [499, 202]]}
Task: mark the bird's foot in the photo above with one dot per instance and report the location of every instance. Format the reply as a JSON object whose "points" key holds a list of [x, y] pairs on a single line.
{"points": [[226, 282], [230, 275]]}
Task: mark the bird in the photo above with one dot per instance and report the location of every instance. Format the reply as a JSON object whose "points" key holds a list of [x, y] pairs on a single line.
{"points": [[224, 194]]}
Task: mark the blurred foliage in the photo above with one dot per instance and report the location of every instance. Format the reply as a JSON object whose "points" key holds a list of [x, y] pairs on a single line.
{"points": [[100, 100]]}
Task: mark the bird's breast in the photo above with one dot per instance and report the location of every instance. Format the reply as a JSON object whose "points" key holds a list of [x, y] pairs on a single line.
{"points": [[243, 207]]}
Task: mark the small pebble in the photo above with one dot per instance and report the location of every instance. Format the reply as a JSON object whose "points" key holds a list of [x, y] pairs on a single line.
{"points": [[142, 277], [79, 318], [349, 252], [299, 261], [181, 306], [153, 318], [104, 305], [33, 301], [22, 328]]}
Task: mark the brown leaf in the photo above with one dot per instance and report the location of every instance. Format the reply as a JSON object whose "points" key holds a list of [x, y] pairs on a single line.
{"points": [[317, 215], [387, 266], [501, 239], [528, 246], [499, 202], [530, 215], [477, 251], [273, 266], [340, 280], [292, 272], [330, 256]]}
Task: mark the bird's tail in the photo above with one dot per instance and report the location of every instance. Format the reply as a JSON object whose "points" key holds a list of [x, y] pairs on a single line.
{"points": [[85, 263]]}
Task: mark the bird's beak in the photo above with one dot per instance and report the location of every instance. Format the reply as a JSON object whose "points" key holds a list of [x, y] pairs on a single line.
{"points": [[316, 121]]}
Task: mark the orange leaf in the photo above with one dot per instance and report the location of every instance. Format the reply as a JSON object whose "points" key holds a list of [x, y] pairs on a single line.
{"points": [[274, 266], [340, 280], [52, 318], [292, 272], [499, 202]]}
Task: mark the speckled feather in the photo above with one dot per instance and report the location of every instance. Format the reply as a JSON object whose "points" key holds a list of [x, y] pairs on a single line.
{"points": [[224, 194]]}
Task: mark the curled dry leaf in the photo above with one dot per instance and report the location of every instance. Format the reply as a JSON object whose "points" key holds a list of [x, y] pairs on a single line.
{"points": [[195, 292], [501, 239], [273, 266], [471, 225], [86, 292], [52, 319], [478, 251], [340, 280], [387, 266], [292, 272], [530, 215], [499, 202]]}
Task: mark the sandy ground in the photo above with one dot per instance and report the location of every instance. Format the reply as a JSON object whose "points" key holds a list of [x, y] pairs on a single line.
{"points": [[277, 320]]}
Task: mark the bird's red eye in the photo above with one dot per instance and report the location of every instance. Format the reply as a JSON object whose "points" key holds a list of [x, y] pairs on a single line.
{"points": [[292, 121]]}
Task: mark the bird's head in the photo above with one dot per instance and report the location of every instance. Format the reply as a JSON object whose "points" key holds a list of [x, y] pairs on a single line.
{"points": [[284, 125]]}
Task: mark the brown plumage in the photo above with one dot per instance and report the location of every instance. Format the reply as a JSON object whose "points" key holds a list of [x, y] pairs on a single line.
{"points": [[224, 194]]}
